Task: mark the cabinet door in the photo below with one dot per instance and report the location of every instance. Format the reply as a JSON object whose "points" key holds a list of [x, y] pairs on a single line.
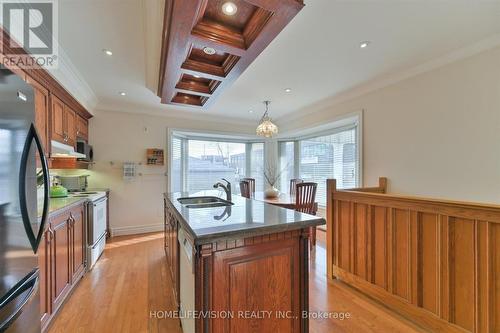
{"points": [[266, 276], [70, 116], [175, 260], [41, 113], [44, 262], [58, 128], [61, 258], [77, 243], [82, 128]]}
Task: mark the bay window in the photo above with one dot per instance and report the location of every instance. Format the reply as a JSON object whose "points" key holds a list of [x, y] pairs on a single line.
{"points": [[198, 163], [316, 158]]}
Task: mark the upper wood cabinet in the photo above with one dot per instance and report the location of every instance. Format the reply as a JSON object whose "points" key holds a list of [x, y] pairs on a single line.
{"points": [[41, 113], [57, 116], [82, 128], [70, 126], [64, 122]]}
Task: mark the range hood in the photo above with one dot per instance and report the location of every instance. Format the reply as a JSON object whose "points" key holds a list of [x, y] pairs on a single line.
{"points": [[62, 150]]}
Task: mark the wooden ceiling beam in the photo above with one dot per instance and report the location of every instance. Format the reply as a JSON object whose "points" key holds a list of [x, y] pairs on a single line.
{"points": [[191, 25]]}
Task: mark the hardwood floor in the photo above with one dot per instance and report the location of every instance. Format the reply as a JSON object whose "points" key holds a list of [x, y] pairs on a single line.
{"points": [[131, 280]]}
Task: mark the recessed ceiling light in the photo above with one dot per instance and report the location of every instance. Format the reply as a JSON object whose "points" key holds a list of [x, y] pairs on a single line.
{"points": [[122, 93], [288, 90], [229, 8], [250, 111], [364, 44], [209, 50], [107, 52]]}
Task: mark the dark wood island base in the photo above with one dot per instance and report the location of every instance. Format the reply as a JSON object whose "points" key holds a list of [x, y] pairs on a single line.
{"points": [[255, 284], [243, 275]]}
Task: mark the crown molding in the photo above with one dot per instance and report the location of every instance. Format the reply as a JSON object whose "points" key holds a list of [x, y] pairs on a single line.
{"points": [[179, 114], [72, 80], [393, 78]]}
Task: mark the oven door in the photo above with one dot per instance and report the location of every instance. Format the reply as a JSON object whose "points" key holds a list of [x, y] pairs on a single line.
{"points": [[97, 220]]}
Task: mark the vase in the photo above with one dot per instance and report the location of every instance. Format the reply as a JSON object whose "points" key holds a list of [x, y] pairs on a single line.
{"points": [[271, 192]]}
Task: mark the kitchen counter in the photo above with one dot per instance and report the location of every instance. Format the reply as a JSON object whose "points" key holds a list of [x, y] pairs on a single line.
{"points": [[233, 260], [57, 204], [246, 218]]}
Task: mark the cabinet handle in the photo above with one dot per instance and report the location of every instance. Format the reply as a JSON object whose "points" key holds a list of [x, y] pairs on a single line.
{"points": [[51, 234]]}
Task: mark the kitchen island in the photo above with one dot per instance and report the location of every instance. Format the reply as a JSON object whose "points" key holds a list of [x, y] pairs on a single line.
{"points": [[239, 267]]}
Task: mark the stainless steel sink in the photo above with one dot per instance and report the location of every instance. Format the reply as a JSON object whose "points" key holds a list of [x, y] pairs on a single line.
{"points": [[203, 202]]}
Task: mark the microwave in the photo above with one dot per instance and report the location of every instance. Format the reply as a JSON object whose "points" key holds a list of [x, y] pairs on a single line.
{"points": [[84, 148]]}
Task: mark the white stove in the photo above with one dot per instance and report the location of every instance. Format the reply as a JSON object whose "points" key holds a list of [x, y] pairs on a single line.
{"points": [[96, 224]]}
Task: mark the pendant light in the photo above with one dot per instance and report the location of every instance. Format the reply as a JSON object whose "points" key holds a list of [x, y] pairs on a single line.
{"points": [[266, 127]]}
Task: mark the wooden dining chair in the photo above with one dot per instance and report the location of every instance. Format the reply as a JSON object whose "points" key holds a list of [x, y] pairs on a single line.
{"points": [[252, 184], [245, 189], [293, 184], [305, 202]]}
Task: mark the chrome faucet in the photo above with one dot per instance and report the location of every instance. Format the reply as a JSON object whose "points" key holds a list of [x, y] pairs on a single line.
{"points": [[225, 187]]}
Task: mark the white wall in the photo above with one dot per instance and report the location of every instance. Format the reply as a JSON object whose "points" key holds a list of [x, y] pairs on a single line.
{"points": [[118, 137], [436, 134]]}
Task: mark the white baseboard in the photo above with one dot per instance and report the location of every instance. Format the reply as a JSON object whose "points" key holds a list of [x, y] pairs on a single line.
{"points": [[136, 229]]}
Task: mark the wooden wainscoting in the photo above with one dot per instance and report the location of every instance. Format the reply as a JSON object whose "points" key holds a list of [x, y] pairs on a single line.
{"points": [[436, 262]]}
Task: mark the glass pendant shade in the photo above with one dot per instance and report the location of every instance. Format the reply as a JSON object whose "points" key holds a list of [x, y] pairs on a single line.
{"points": [[266, 127]]}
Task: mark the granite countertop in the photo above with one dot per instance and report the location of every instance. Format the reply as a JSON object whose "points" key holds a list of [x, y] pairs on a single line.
{"points": [[245, 218], [57, 204]]}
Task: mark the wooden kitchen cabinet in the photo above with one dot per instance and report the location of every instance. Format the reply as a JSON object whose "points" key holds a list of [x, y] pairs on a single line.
{"points": [[64, 122], [82, 128], [41, 114], [62, 259], [70, 126], [57, 129], [171, 245], [77, 242], [59, 226], [44, 262]]}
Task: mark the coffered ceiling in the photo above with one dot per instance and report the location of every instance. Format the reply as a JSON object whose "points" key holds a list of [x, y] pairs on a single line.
{"points": [[317, 56], [208, 43]]}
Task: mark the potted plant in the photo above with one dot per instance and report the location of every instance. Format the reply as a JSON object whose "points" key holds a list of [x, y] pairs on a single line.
{"points": [[272, 175]]}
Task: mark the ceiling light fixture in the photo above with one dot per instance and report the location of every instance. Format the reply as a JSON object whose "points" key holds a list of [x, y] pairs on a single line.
{"points": [[107, 52], [250, 111], [288, 90], [122, 93], [364, 44], [229, 8], [266, 127], [209, 50]]}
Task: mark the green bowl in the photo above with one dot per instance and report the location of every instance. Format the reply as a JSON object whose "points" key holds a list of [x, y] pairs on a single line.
{"points": [[58, 191]]}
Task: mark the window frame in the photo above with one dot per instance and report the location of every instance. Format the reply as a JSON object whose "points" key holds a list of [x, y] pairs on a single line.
{"points": [[342, 123], [206, 136]]}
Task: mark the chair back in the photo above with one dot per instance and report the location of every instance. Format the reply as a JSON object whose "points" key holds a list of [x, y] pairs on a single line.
{"points": [[245, 189], [252, 184], [305, 198], [293, 184]]}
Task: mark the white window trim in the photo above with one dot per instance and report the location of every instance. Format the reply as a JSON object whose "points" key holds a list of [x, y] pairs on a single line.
{"points": [[339, 124], [207, 136]]}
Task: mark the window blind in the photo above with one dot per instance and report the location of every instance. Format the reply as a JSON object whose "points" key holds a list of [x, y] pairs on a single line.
{"points": [[177, 169], [257, 165], [286, 164], [330, 156], [209, 161]]}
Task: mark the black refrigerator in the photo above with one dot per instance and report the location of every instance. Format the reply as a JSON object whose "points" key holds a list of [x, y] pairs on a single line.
{"points": [[24, 190]]}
